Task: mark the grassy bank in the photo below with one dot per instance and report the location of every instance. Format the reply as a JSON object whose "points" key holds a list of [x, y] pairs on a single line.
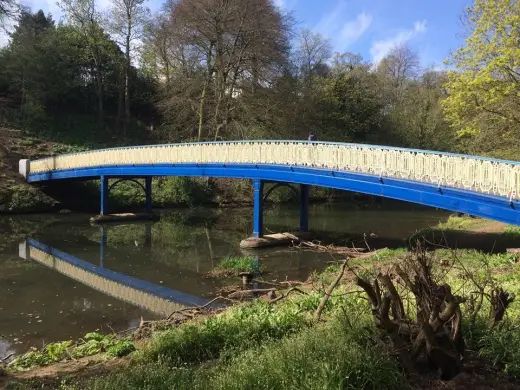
{"points": [[264, 345]]}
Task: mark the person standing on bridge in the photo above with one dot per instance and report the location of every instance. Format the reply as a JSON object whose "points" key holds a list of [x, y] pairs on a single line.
{"points": [[312, 137]]}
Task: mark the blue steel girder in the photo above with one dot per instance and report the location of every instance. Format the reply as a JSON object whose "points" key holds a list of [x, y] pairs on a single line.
{"points": [[448, 198], [133, 180], [278, 185]]}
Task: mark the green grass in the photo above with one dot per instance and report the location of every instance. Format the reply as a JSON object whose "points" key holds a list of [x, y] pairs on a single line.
{"points": [[455, 222], [237, 264], [236, 329], [512, 231], [265, 347]]}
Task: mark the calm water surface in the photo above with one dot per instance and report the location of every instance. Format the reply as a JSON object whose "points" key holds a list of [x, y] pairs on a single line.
{"points": [[69, 278]]}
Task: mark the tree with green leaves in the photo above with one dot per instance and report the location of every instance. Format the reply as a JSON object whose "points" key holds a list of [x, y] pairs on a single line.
{"points": [[484, 87]]}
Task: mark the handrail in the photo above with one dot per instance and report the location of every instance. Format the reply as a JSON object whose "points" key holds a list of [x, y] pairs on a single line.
{"points": [[480, 174]]}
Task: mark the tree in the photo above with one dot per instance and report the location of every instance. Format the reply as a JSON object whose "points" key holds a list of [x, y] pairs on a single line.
{"points": [[225, 56], [418, 121], [83, 15], [312, 54], [126, 20], [8, 10], [484, 87], [349, 103], [399, 66], [24, 64]]}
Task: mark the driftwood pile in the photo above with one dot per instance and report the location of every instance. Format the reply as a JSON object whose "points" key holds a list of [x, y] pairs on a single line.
{"points": [[434, 336], [351, 253]]}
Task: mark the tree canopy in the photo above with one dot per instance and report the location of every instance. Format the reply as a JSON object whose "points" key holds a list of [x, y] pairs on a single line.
{"points": [[484, 86], [211, 70]]}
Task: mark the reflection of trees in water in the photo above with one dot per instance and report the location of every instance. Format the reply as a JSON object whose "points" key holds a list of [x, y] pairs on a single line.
{"points": [[14, 229], [187, 239]]}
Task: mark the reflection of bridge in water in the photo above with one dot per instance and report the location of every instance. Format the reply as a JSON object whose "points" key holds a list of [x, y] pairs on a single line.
{"points": [[158, 299]]}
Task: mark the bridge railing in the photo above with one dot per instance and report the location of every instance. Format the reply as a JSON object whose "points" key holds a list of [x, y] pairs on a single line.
{"points": [[484, 175]]}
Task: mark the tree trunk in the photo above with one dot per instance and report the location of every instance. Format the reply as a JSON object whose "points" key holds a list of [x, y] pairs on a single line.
{"points": [[204, 91], [127, 80], [201, 110], [121, 99], [99, 82]]}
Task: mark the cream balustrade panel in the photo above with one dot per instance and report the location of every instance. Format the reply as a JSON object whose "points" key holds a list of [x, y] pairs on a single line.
{"points": [[499, 178]]}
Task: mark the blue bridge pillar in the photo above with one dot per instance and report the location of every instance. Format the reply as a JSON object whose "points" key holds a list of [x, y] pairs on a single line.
{"points": [[148, 190], [104, 195], [258, 215], [304, 208]]}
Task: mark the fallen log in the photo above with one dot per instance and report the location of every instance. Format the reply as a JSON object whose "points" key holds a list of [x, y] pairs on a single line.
{"points": [[249, 294]]}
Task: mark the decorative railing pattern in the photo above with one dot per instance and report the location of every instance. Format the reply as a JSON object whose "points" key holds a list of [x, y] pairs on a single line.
{"points": [[488, 176]]}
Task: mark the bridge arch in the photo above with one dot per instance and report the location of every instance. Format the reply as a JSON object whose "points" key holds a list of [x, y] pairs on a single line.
{"points": [[279, 185], [115, 183]]}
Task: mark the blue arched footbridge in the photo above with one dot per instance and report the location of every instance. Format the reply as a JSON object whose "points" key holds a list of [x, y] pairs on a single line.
{"points": [[472, 185]]}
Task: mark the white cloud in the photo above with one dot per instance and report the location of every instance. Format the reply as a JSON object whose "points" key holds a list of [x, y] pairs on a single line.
{"points": [[353, 30], [342, 33], [381, 48]]}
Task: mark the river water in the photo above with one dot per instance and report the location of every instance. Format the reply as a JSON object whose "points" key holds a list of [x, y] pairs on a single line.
{"points": [[60, 277]]}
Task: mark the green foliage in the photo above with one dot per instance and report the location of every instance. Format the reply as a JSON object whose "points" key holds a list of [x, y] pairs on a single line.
{"points": [[237, 264], [23, 198], [512, 231], [460, 223], [336, 354], [121, 348], [502, 346], [182, 191], [483, 87], [92, 344], [236, 329]]}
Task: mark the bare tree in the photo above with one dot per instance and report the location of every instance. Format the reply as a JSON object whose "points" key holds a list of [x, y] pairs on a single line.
{"points": [[84, 15], [312, 53], [8, 10], [126, 21], [229, 51], [401, 64]]}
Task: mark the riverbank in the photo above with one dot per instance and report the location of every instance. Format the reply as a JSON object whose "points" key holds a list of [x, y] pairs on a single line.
{"points": [[278, 343]]}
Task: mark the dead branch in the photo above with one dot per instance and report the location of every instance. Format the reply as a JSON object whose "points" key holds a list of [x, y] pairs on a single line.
{"points": [[329, 291], [287, 293], [184, 310], [248, 294], [500, 301]]}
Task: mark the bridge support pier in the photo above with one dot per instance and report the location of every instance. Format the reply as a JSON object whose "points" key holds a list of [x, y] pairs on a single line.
{"points": [[258, 214]]}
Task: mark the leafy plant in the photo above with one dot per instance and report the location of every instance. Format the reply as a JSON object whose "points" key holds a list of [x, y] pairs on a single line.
{"points": [[237, 264]]}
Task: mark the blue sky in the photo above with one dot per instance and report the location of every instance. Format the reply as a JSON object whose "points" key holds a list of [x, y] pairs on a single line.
{"points": [[372, 27], [368, 27]]}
